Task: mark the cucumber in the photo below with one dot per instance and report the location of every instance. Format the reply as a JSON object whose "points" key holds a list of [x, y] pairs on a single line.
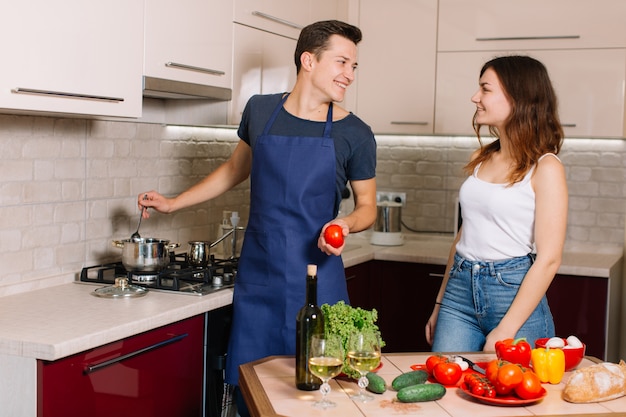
{"points": [[421, 393], [376, 383], [408, 379]]}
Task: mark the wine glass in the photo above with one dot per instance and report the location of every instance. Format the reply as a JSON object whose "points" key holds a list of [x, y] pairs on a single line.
{"points": [[363, 357], [325, 362]]}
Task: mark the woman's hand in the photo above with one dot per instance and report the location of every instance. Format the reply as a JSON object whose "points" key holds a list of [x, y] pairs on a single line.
{"points": [[327, 248], [431, 324]]}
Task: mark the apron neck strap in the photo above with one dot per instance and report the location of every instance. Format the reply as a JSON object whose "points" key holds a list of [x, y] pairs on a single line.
{"points": [[327, 127]]}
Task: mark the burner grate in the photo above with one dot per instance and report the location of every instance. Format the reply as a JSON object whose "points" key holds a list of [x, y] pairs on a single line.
{"points": [[178, 276]]}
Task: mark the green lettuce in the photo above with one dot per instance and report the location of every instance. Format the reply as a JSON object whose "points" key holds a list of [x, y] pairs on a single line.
{"points": [[343, 319]]}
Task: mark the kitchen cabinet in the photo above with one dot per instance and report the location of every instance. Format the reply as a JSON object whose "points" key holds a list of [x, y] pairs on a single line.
{"points": [[405, 295], [72, 57], [282, 17], [583, 50], [156, 373], [588, 83], [262, 64], [580, 307], [395, 91], [495, 25], [191, 42], [359, 282]]}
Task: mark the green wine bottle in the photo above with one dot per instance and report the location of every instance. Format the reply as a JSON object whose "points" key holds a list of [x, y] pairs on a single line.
{"points": [[309, 321]]}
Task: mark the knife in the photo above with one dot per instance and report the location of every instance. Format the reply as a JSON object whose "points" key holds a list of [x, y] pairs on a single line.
{"points": [[472, 365]]}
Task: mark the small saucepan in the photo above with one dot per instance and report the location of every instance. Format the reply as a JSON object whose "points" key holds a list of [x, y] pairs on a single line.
{"points": [[145, 254], [199, 252]]}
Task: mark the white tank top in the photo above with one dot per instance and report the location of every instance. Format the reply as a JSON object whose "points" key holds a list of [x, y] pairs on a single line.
{"points": [[498, 221]]}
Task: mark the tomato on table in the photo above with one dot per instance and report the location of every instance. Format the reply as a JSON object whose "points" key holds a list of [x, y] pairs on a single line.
{"points": [[447, 373], [334, 235], [432, 361], [530, 387]]}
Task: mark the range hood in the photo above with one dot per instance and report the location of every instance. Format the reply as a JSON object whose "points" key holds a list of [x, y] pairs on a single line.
{"points": [[162, 88]]}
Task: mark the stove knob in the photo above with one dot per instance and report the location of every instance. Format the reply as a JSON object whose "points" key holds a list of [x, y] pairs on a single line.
{"points": [[217, 281]]}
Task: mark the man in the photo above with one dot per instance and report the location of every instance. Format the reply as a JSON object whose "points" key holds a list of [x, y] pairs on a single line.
{"points": [[300, 151]]}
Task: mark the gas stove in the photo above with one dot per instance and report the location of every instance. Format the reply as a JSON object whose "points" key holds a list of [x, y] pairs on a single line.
{"points": [[179, 276]]}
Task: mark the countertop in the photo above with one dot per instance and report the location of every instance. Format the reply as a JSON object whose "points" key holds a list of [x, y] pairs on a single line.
{"points": [[55, 322], [59, 321], [583, 260], [268, 385]]}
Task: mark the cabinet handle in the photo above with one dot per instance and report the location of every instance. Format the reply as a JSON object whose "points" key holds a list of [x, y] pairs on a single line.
{"points": [[277, 19], [192, 68], [398, 122], [20, 90], [98, 366], [568, 124], [348, 278], [434, 275], [528, 38]]}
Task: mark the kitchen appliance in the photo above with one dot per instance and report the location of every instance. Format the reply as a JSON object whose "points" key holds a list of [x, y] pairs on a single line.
{"points": [[387, 228], [178, 276]]}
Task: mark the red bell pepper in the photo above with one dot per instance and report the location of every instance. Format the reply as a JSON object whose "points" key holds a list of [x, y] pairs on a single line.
{"points": [[515, 351]]}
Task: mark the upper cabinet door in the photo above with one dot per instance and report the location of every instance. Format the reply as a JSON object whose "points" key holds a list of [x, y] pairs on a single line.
{"points": [[283, 17], [395, 90], [586, 109], [263, 64], [530, 24], [72, 57], [189, 41]]}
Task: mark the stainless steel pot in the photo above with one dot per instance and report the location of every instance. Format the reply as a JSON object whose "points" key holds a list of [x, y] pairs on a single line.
{"points": [[199, 252], [145, 254]]}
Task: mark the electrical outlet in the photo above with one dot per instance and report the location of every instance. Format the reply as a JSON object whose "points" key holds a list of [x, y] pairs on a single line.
{"points": [[391, 196]]}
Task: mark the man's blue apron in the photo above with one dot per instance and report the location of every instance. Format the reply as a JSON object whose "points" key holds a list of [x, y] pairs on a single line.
{"points": [[292, 195]]}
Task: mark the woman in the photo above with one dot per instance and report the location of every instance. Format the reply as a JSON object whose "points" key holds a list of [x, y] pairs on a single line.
{"points": [[514, 206]]}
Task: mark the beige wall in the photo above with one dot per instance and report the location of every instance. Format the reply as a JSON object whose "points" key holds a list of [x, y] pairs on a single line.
{"points": [[68, 188]]}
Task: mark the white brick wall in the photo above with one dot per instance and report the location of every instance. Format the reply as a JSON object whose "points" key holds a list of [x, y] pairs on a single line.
{"points": [[68, 189]]}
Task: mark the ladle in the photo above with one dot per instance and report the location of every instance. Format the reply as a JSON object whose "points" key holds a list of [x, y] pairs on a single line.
{"points": [[136, 236]]}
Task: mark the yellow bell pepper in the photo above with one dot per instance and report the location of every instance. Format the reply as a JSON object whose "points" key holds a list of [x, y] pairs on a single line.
{"points": [[548, 364]]}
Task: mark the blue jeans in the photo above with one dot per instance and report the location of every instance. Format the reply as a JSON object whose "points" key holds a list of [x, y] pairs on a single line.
{"points": [[477, 296]]}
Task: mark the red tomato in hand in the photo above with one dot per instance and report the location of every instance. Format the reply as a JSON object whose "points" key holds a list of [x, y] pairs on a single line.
{"points": [[447, 373], [334, 235]]}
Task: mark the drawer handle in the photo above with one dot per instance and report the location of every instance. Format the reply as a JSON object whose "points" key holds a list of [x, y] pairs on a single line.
{"points": [[434, 275], [98, 366], [192, 68], [397, 122], [348, 278], [528, 38], [20, 90], [277, 19], [568, 124]]}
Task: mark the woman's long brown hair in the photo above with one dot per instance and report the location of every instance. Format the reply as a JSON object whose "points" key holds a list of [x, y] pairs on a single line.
{"points": [[533, 128]]}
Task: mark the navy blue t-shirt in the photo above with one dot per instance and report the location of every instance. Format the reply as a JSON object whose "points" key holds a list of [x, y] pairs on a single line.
{"points": [[355, 146]]}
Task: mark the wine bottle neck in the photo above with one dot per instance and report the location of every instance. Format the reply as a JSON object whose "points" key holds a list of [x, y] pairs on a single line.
{"points": [[311, 290]]}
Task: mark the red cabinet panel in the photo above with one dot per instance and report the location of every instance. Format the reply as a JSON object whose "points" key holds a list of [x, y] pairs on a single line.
{"points": [[579, 307], [157, 373]]}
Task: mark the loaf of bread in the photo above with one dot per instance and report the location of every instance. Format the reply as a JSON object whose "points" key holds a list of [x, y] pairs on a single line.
{"points": [[600, 382]]}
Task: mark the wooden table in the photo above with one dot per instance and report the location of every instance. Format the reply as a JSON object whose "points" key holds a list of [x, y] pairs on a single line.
{"points": [[268, 386]]}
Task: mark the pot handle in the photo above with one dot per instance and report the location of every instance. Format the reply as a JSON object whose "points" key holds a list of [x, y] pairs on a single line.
{"points": [[173, 245], [118, 244]]}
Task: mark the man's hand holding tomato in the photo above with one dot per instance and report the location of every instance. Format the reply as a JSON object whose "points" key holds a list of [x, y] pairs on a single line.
{"points": [[332, 239]]}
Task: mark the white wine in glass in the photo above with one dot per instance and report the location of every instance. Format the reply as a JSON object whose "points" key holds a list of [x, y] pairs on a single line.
{"points": [[326, 362], [363, 356]]}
